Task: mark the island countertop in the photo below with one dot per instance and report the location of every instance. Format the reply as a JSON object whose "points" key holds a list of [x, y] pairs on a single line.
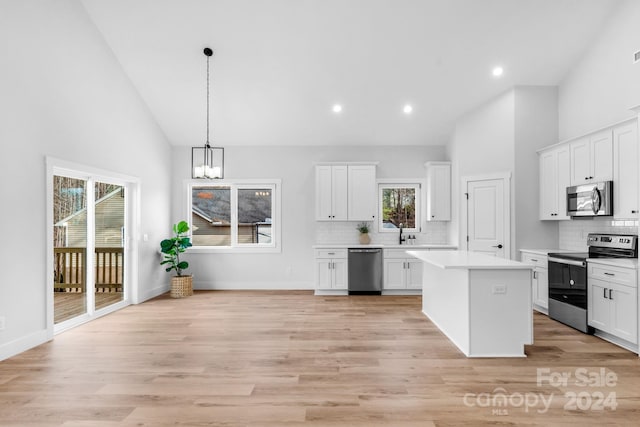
{"points": [[467, 260]]}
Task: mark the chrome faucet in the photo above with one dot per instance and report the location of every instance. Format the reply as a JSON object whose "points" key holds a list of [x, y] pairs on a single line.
{"points": [[401, 239]]}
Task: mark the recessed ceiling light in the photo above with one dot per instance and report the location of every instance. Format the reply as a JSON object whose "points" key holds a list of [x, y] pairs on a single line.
{"points": [[497, 71], [337, 108], [408, 109]]}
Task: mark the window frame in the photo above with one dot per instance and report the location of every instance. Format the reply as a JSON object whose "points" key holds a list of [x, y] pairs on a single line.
{"points": [[234, 185], [416, 183]]}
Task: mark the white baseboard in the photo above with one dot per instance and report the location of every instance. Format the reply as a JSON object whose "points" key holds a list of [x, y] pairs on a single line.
{"points": [[262, 286], [402, 292], [331, 292], [152, 293], [617, 341], [19, 345]]}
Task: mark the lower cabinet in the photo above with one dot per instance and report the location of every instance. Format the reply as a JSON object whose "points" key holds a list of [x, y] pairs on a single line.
{"points": [[539, 282], [401, 271], [613, 301], [331, 269]]}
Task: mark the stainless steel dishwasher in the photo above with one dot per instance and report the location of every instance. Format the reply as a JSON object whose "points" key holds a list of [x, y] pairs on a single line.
{"points": [[365, 271]]}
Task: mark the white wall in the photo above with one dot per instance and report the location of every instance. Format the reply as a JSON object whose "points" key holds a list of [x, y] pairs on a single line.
{"points": [[602, 87], [293, 268], [536, 126], [482, 143], [65, 95], [598, 92], [503, 136]]}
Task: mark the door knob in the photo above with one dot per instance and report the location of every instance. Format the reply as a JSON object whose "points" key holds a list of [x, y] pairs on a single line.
{"points": [[498, 246]]}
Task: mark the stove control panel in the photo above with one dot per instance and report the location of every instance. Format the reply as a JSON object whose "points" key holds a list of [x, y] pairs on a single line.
{"points": [[616, 241]]}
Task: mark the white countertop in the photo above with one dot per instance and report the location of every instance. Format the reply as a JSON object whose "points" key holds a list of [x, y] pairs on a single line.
{"points": [[545, 251], [615, 262], [468, 260], [383, 246]]}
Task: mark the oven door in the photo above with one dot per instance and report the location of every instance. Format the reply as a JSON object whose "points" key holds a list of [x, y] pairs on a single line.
{"points": [[568, 282]]}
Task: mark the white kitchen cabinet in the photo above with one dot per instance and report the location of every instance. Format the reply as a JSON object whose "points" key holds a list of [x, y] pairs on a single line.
{"points": [[401, 271], [554, 180], [331, 192], [613, 301], [539, 282], [345, 192], [331, 269], [361, 192], [625, 167], [438, 191], [592, 158]]}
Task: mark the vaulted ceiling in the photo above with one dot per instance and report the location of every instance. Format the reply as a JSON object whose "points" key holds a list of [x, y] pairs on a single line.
{"points": [[280, 65]]}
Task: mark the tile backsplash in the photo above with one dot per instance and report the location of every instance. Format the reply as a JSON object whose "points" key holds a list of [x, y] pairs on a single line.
{"points": [[345, 233], [573, 233]]}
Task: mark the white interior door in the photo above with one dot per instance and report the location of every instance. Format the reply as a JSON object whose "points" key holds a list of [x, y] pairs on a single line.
{"points": [[486, 217]]}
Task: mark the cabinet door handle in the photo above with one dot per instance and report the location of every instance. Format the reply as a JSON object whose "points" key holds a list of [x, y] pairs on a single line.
{"points": [[634, 211], [535, 274], [610, 295], [586, 178], [534, 260], [604, 294], [609, 274]]}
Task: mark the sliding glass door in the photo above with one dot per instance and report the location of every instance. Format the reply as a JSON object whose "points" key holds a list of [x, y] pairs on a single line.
{"points": [[69, 247], [109, 242], [90, 217]]}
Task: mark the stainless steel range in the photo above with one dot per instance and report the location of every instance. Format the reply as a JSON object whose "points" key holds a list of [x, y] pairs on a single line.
{"points": [[568, 276]]}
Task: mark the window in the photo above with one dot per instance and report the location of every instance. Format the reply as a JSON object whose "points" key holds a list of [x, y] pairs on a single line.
{"points": [[235, 215], [399, 204]]}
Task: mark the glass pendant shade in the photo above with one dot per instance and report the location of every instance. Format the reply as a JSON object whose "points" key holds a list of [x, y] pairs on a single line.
{"points": [[207, 162]]}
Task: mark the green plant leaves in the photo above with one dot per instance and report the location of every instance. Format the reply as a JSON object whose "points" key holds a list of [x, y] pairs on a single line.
{"points": [[173, 247]]}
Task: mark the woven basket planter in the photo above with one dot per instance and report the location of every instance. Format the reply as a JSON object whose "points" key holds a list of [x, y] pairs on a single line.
{"points": [[181, 286]]}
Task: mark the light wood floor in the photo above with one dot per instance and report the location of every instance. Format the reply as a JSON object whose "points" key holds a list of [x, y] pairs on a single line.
{"points": [[291, 358]]}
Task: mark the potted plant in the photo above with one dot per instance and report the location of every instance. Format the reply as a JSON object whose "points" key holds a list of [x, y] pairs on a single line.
{"points": [[364, 237], [181, 284]]}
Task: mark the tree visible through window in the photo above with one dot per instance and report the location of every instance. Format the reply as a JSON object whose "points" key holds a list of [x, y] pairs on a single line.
{"points": [[399, 205]]}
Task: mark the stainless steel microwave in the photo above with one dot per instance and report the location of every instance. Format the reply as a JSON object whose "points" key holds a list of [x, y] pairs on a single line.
{"points": [[590, 199]]}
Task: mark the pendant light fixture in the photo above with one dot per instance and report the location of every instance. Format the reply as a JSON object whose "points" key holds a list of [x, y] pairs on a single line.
{"points": [[206, 161]]}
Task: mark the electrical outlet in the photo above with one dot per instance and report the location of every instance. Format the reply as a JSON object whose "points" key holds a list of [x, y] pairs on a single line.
{"points": [[499, 289], [2, 323]]}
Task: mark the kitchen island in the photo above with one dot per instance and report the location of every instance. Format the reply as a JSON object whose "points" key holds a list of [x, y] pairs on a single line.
{"points": [[480, 302]]}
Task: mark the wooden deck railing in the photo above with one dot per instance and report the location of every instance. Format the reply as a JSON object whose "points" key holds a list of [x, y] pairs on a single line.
{"points": [[70, 269], [109, 268]]}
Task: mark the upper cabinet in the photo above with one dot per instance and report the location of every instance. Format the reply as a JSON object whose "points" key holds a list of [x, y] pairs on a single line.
{"points": [[625, 167], [331, 193], [592, 158], [345, 192], [438, 191], [554, 180], [362, 193], [611, 154]]}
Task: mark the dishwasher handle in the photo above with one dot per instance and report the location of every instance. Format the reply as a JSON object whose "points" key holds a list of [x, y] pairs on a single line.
{"points": [[365, 251]]}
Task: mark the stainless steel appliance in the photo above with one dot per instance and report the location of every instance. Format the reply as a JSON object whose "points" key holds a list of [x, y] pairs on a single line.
{"points": [[568, 276], [365, 271], [590, 199]]}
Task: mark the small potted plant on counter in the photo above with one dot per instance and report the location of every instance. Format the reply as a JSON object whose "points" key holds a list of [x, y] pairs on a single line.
{"points": [[363, 228], [181, 284]]}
